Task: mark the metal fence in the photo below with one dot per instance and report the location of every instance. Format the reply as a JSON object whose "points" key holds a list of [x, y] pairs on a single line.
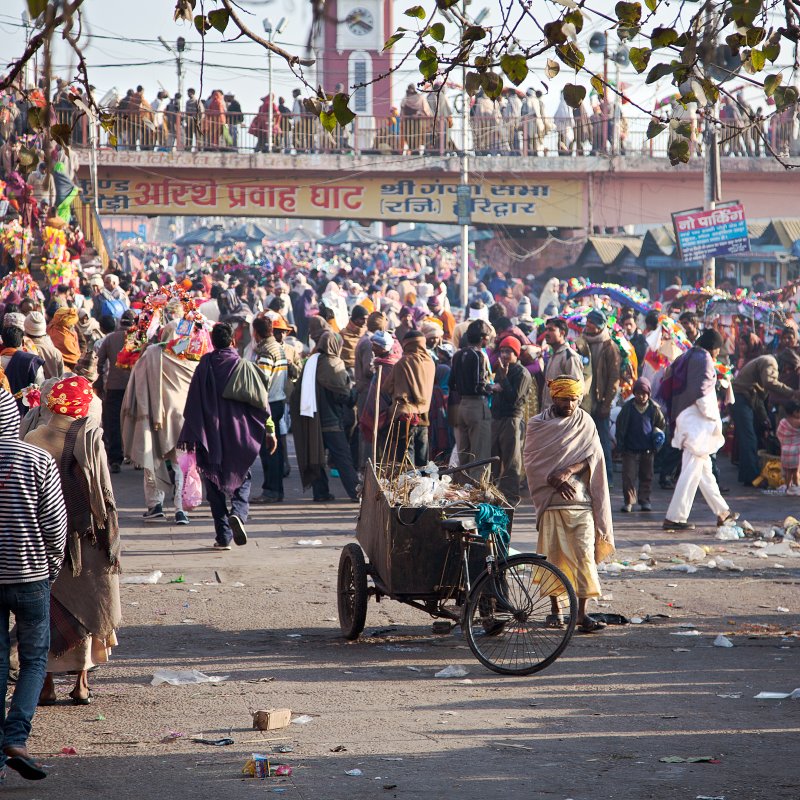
{"points": [[432, 136]]}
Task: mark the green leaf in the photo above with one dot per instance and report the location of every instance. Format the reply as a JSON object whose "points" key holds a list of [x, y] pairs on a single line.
{"points": [[659, 71], [437, 31], [482, 62], [629, 14], [785, 96], [771, 52], [472, 83], [473, 33], [735, 41], [343, 114], [663, 37], [575, 18], [219, 19], [445, 4], [492, 84], [574, 95], [393, 40], [426, 52], [651, 4], [771, 83], [598, 85], [678, 152], [515, 68], [755, 62], [428, 67], [418, 12], [754, 36], [202, 24], [640, 58], [35, 118], [112, 139], [554, 34], [552, 69], [61, 134], [328, 120], [683, 129], [571, 55], [36, 7], [654, 128]]}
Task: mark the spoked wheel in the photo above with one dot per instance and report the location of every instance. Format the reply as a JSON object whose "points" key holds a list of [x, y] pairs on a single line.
{"points": [[352, 591], [509, 622]]}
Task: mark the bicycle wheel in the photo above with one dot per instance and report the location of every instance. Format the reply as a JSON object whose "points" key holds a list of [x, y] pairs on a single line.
{"points": [[506, 616], [352, 591]]}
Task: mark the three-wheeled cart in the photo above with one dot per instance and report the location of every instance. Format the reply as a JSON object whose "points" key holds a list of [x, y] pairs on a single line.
{"points": [[518, 612]]}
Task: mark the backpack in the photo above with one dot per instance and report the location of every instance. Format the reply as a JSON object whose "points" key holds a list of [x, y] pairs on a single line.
{"points": [[112, 307]]}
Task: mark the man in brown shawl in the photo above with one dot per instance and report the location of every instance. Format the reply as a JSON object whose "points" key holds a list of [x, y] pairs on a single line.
{"points": [[411, 388], [566, 473]]}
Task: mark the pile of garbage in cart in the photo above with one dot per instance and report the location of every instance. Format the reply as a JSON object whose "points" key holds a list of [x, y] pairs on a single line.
{"points": [[425, 487]]}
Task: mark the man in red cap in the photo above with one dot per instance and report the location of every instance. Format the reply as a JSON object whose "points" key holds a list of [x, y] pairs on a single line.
{"points": [[511, 387]]}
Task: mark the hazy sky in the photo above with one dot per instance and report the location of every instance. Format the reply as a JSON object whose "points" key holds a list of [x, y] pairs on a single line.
{"points": [[123, 32]]}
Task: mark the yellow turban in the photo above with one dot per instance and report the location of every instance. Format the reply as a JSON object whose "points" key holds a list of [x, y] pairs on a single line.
{"points": [[566, 386]]}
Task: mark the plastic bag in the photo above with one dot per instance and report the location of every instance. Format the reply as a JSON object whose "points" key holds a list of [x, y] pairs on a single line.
{"points": [[192, 494]]}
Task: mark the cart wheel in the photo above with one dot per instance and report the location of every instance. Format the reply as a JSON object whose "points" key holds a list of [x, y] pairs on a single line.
{"points": [[508, 619], [352, 591]]}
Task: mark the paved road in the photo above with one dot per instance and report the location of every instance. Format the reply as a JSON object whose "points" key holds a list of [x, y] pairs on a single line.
{"points": [[593, 726]]}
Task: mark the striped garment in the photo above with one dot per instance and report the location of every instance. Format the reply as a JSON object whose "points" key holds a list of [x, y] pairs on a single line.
{"points": [[33, 518]]}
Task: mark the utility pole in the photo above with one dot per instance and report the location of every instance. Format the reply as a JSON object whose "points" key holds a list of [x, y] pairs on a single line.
{"points": [[465, 191], [711, 165]]}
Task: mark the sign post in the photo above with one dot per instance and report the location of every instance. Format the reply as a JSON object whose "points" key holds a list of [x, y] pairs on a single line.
{"points": [[703, 235]]}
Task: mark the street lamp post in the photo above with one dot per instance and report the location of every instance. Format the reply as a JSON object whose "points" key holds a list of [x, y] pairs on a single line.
{"points": [[180, 46], [268, 29]]}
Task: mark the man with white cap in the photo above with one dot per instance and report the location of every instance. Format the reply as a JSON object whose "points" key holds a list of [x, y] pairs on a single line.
{"points": [[35, 329]]}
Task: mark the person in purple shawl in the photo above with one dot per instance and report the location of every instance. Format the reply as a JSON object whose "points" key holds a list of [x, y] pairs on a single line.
{"points": [[209, 421]]}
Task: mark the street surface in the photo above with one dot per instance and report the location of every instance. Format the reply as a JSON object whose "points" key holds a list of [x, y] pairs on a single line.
{"points": [[593, 726]]}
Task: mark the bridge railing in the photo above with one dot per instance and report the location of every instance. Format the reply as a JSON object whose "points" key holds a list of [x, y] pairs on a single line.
{"points": [[304, 134]]}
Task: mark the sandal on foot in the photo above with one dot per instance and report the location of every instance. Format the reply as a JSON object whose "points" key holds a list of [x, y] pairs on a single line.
{"points": [[591, 625], [26, 767], [78, 700], [554, 621]]}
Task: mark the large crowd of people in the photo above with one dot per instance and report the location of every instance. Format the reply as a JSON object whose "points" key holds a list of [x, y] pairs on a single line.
{"points": [[195, 370], [518, 122]]}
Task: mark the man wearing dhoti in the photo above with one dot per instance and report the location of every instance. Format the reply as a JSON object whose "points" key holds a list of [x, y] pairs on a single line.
{"points": [[567, 479]]}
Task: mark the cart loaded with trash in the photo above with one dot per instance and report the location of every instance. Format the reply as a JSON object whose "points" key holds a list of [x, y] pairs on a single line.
{"points": [[443, 547]]}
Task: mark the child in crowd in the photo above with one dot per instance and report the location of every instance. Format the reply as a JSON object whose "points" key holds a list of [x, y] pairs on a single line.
{"points": [[640, 432], [789, 437]]}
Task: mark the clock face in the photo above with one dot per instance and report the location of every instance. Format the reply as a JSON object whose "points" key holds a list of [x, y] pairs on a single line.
{"points": [[360, 21]]}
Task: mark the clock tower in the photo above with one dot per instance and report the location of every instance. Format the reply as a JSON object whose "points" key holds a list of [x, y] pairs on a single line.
{"points": [[350, 51]]}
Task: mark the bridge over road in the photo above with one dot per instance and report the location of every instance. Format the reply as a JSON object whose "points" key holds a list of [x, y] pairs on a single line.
{"points": [[567, 192]]}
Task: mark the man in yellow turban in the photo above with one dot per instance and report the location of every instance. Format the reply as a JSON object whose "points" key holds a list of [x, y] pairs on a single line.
{"points": [[567, 479]]}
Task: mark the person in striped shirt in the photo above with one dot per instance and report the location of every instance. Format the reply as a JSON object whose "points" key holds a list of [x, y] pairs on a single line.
{"points": [[33, 529]]}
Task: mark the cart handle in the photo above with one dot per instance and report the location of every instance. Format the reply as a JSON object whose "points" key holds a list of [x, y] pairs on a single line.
{"points": [[481, 463]]}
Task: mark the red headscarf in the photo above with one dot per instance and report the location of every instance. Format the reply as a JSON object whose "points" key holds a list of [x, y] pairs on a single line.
{"points": [[71, 397]]}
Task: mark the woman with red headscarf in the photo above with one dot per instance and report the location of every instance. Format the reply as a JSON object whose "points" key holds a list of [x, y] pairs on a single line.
{"points": [[84, 603]]}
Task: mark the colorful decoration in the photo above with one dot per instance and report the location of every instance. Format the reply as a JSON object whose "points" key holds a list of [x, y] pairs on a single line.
{"points": [[150, 320], [16, 239], [21, 282], [621, 295]]}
